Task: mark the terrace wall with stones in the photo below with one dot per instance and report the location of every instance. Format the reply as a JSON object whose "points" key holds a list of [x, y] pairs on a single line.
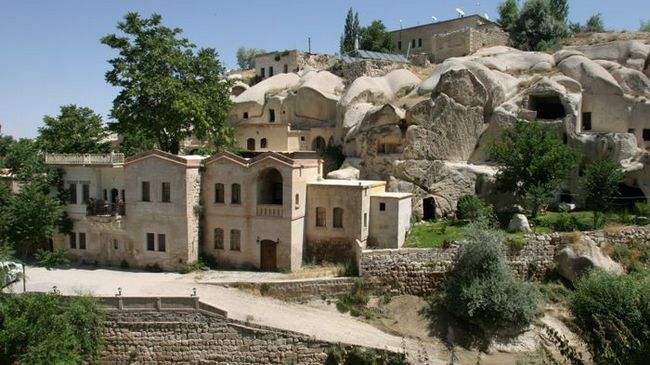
{"points": [[197, 336], [419, 271]]}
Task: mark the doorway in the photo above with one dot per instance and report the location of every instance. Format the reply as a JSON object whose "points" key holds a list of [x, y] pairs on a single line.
{"points": [[428, 209], [114, 196], [268, 258]]}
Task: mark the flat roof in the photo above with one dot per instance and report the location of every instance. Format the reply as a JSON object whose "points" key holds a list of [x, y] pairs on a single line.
{"points": [[446, 21], [392, 195], [336, 182]]}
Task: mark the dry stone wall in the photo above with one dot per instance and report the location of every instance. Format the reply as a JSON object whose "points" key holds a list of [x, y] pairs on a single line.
{"points": [[300, 290], [419, 271]]}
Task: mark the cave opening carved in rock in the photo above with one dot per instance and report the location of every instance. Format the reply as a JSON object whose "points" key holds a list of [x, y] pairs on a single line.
{"points": [[548, 107]]}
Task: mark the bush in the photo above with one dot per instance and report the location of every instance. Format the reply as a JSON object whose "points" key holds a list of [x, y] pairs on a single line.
{"points": [[612, 313], [355, 301], [52, 259], [630, 254], [189, 267], [153, 268], [48, 329], [209, 261], [482, 290], [642, 209], [347, 269], [472, 208]]}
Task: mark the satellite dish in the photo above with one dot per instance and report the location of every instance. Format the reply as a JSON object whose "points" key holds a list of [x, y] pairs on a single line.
{"points": [[487, 16], [434, 18], [460, 12]]}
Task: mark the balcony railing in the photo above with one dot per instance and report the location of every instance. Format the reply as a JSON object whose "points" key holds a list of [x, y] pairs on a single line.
{"points": [[84, 159], [269, 210], [104, 208]]}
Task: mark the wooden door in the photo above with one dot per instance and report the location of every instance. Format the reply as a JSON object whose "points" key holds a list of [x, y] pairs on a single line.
{"points": [[268, 260]]}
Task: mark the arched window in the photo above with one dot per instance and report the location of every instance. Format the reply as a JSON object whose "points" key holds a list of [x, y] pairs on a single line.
{"points": [[250, 144], [269, 187], [263, 143], [235, 239], [218, 193], [320, 217], [337, 218], [318, 144], [218, 238], [235, 194]]}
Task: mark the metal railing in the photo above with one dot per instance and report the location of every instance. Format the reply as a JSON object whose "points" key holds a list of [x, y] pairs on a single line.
{"points": [[84, 159], [104, 208]]}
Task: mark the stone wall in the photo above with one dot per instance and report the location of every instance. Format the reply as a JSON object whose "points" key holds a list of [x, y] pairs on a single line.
{"points": [[185, 336], [420, 271], [300, 290]]}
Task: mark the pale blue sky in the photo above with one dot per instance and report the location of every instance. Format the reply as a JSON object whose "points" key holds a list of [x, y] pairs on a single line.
{"points": [[51, 53]]}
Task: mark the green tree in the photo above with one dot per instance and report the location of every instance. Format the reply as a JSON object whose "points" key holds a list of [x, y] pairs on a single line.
{"points": [[540, 26], [25, 160], [351, 32], [168, 91], [6, 142], [375, 38], [508, 14], [645, 26], [595, 24], [246, 57], [600, 184], [46, 329], [74, 130], [533, 162], [482, 290], [612, 314], [560, 9]]}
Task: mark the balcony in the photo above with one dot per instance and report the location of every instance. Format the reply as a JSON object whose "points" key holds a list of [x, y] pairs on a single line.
{"points": [[104, 208], [85, 159], [269, 210]]}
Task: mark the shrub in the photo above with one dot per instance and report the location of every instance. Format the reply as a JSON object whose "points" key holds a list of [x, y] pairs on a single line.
{"points": [[642, 209], [631, 253], [516, 243], [153, 268], [482, 290], [354, 301], [472, 208], [48, 329], [265, 288], [612, 314], [209, 260], [52, 259], [189, 267], [348, 268]]}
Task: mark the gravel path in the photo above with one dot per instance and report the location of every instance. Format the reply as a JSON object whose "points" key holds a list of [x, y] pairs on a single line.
{"points": [[321, 321]]}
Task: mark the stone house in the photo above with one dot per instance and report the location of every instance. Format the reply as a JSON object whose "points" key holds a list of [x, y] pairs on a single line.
{"points": [[450, 38], [260, 212]]}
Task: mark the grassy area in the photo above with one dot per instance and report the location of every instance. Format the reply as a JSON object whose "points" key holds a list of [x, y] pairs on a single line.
{"points": [[433, 234]]}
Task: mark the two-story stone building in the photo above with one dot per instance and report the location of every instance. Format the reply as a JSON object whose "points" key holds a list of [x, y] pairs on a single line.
{"points": [[270, 211]]}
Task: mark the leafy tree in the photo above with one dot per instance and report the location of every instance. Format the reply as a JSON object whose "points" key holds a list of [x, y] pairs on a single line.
{"points": [[595, 24], [24, 159], [482, 290], [533, 161], [6, 142], [508, 14], [645, 26], [375, 38], [540, 25], [600, 184], [168, 91], [612, 314], [74, 130], [48, 329], [246, 57], [351, 32]]}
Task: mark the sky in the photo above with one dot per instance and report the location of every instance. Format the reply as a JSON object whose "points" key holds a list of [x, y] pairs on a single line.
{"points": [[50, 54]]}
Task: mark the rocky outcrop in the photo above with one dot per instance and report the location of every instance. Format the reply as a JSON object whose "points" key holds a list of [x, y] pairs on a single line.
{"points": [[576, 259], [348, 173]]}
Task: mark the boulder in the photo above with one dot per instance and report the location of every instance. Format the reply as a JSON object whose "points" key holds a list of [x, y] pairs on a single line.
{"points": [[593, 77], [578, 258], [348, 173], [519, 223]]}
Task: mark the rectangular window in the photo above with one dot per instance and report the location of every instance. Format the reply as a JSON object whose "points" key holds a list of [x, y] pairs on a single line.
{"points": [[262, 72], [145, 191], [270, 71], [116, 244], [73, 240], [123, 196], [235, 194], [162, 244], [631, 130], [337, 218], [399, 45], [166, 192], [286, 68], [82, 240], [413, 43], [382, 206], [218, 193], [365, 220], [419, 42], [235, 237], [320, 217], [297, 203], [272, 115], [218, 238], [72, 188], [105, 194], [151, 244], [85, 193], [586, 121], [245, 115]]}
